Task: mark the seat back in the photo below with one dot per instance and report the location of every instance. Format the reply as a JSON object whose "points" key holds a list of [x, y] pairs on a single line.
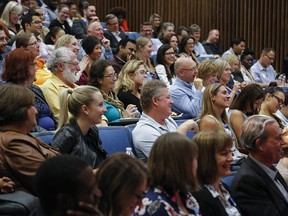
{"points": [[45, 137], [229, 179], [133, 35], [115, 139]]}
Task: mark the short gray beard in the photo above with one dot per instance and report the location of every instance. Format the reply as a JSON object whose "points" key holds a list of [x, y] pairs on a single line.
{"points": [[70, 76]]}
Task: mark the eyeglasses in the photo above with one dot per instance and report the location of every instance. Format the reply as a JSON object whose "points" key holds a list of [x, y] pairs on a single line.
{"points": [[3, 39], [36, 22], [280, 101], [189, 69], [111, 76], [72, 63], [112, 23], [34, 43], [271, 59], [148, 30], [170, 53]]}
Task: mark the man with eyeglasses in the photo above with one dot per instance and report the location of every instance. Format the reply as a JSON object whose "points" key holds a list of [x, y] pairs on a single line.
{"points": [[113, 33], [186, 94], [263, 71], [63, 64]]}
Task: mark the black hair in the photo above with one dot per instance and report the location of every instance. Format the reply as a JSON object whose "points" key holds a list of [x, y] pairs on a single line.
{"points": [[236, 41], [89, 44], [123, 44], [160, 60], [28, 18]]}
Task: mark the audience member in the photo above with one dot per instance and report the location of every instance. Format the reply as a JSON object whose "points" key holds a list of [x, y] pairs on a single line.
{"points": [[129, 84], [185, 93], [181, 32], [11, 16], [26, 5], [224, 76], [125, 52], [237, 46], [147, 31], [113, 33], [155, 119], [155, 21], [22, 153], [166, 28], [73, 12], [246, 59], [103, 76], [282, 165], [79, 27], [236, 74], [172, 181], [213, 117], [263, 71], [61, 20], [23, 73], [49, 7], [273, 101], [186, 48], [79, 136], [201, 54], [247, 103], [122, 181], [172, 40], [211, 45], [207, 72], [143, 52], [258, 187], [165, 64], [66, 185], [32, 23], [215, 157], [52, 37], [282, 113], [120, 13], [29, 41], [64, 67], [3, 47]]}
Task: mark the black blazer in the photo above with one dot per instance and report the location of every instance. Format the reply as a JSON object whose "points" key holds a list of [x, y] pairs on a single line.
{"points": [[113, 40], [210, 206], [256, 193]]}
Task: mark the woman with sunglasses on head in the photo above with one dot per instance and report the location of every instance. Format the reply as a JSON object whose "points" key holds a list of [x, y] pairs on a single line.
{"points": [[129, 83], [273, 101], [103, 76]]}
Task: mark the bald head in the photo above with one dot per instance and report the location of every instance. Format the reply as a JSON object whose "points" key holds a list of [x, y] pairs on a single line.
{"points": [[95, 29], [213, 36], [186, 69]]}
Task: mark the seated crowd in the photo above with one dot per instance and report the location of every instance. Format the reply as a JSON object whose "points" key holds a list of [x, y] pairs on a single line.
{"points": [[69, 73]]}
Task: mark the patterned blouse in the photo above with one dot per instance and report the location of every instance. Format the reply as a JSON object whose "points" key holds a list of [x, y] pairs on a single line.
{"points": [[158, 202]]}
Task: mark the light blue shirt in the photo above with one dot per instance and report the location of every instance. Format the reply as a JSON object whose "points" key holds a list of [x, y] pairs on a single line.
{"points": [[261, 74], [185, 99], [147, 131], [201, 53]]}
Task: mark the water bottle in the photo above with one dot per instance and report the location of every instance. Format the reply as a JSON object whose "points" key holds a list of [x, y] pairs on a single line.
{"points": [[129, 151]]}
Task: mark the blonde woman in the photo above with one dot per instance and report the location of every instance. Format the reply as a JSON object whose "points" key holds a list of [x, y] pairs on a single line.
{"points": [[207, 71], [11, 15], [79, 136], [129, 83], [144, 49], [236, 74]]}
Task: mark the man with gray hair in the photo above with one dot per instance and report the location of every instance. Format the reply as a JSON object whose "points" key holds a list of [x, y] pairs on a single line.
{"points": [[186, 93], [258, 187], [63, 64], [155, 120]]}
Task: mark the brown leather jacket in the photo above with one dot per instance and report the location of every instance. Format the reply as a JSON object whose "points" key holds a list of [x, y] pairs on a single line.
{"points": [[20, 157]]}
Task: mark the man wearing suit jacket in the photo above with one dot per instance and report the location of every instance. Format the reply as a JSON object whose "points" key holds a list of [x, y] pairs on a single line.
{"points": [[113, 33], [258, 188]]}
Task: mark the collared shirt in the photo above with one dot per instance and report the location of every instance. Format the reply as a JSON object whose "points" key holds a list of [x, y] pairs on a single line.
{"points": [[51, 89], [272, 174], [229, 52], [247, 75], [263, 75], [201, 52], [227, 201], [156, 43], [282, 117], [185, 100], [147, 131], [116, 35]]}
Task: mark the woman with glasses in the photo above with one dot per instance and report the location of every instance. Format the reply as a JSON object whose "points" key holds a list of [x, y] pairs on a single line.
{"points": [[186, 48], [165, 64], [11, 15], [61, 21], [23, 73], [122, 181], [129, 83], [172, 180], [103, 76], [273, 101]]}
